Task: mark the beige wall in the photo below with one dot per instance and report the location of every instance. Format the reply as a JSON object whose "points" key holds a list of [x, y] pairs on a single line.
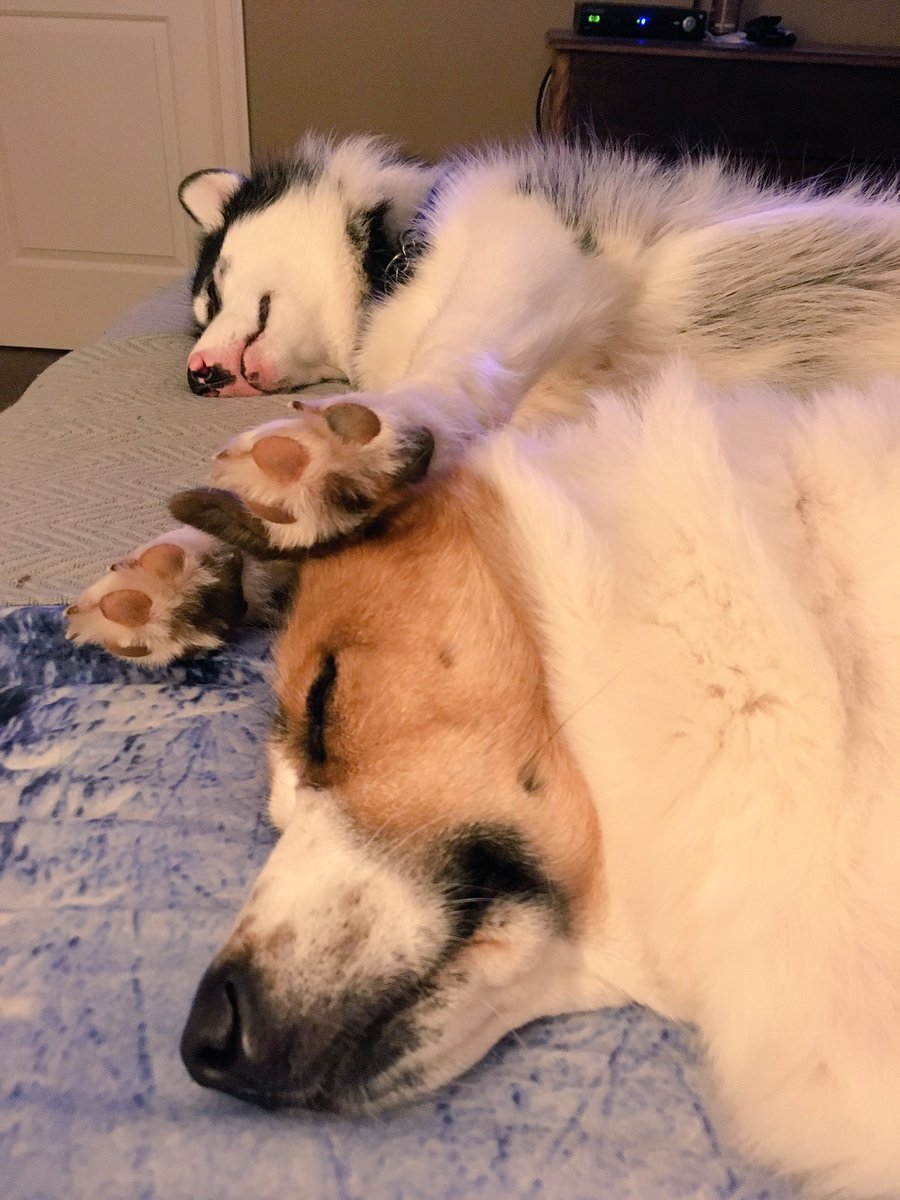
{"points": [[436, 73]]}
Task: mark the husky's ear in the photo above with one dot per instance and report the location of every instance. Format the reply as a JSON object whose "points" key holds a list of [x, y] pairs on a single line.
{"points": [[204, 195]]}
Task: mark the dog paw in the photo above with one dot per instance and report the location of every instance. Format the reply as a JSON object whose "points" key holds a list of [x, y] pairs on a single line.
{"points": [[172, 597], [293, 483]]}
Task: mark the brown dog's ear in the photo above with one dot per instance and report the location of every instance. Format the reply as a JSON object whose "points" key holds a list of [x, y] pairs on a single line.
{"points": [[225, 516]]}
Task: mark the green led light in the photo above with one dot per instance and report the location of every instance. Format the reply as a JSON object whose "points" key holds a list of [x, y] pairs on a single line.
{"points": [[593, 18]]}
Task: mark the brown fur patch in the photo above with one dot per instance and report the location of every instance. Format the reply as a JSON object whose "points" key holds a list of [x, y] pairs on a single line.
{"points": [[414, 751], [279, 942]]}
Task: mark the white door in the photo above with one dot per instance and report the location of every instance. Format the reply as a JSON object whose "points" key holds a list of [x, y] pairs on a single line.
{"points": [[105, 105]]}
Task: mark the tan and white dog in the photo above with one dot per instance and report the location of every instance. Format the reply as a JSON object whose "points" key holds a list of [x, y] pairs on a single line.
{"points": [[608, 712], [582, 713]]}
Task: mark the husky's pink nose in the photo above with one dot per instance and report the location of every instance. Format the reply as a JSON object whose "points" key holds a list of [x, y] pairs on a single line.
{"points": [[258, 371]]}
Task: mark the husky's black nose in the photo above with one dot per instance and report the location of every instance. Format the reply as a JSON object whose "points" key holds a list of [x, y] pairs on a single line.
{"points": [[208, 379]]}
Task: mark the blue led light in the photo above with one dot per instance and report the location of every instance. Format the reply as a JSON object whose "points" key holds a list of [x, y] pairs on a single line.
{"points": [[642, 20]]}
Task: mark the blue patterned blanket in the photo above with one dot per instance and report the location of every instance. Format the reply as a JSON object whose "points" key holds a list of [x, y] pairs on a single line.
{"points": [[131, 824]]}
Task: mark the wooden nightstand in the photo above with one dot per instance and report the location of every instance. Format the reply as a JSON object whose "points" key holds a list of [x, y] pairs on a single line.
{"points": [[802, 111]]}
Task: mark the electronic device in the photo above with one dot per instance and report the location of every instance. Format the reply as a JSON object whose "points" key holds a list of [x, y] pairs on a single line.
{"points": [[768, 31], [640, 21]]}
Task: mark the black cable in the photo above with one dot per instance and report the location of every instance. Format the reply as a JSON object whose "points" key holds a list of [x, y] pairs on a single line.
{"points": [[538, 114]]}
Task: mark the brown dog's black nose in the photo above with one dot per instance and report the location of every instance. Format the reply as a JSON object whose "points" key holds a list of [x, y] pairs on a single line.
{"points": [[226, 1042], [239, 1040]]}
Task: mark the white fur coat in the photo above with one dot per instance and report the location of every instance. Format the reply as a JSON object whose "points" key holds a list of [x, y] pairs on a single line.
{"points": [[719, 586]]}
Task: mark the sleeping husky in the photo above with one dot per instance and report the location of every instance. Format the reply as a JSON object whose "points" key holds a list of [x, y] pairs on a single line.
{"points": [[505, 282], [610, 712]]}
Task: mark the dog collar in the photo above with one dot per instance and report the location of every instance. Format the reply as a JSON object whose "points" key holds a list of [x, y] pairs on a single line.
{"points": [[400, 268]]}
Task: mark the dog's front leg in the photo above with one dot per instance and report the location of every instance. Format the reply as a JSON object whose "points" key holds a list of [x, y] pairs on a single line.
{"points": [[504, 294], [282, 489], [287, 487], [175, 596]]}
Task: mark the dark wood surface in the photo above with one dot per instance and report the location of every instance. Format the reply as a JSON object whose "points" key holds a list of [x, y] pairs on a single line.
{"points": [[20, 367], [875, 56], [802, 111]]}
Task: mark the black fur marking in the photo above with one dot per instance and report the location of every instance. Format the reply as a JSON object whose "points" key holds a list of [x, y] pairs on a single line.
{"points": [[358, 231], [553, 186], [219, 607], [284, 579], [486, 864], [317, 699], [376, 248], [207, 256], [214, 305], [343, 493], [268, 183], [417, 449], [265, 306], [528, 779]]}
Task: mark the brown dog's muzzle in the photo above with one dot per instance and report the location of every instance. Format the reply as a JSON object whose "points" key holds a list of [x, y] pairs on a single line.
{"points": [[239, 1041]]}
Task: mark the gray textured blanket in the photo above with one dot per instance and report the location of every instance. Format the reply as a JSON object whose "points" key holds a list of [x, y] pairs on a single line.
{"points": [[92, 452]]}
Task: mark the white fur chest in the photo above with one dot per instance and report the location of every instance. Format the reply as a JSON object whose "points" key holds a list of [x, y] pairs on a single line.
{"points": [[720, 610]]}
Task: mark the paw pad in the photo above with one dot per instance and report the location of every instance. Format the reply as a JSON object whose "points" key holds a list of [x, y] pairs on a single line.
{"points": [[127, 606], [282, 458], [163, 560], [127, 651], [305, 481], [353, 423], [159, 602], [270, 512]]}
